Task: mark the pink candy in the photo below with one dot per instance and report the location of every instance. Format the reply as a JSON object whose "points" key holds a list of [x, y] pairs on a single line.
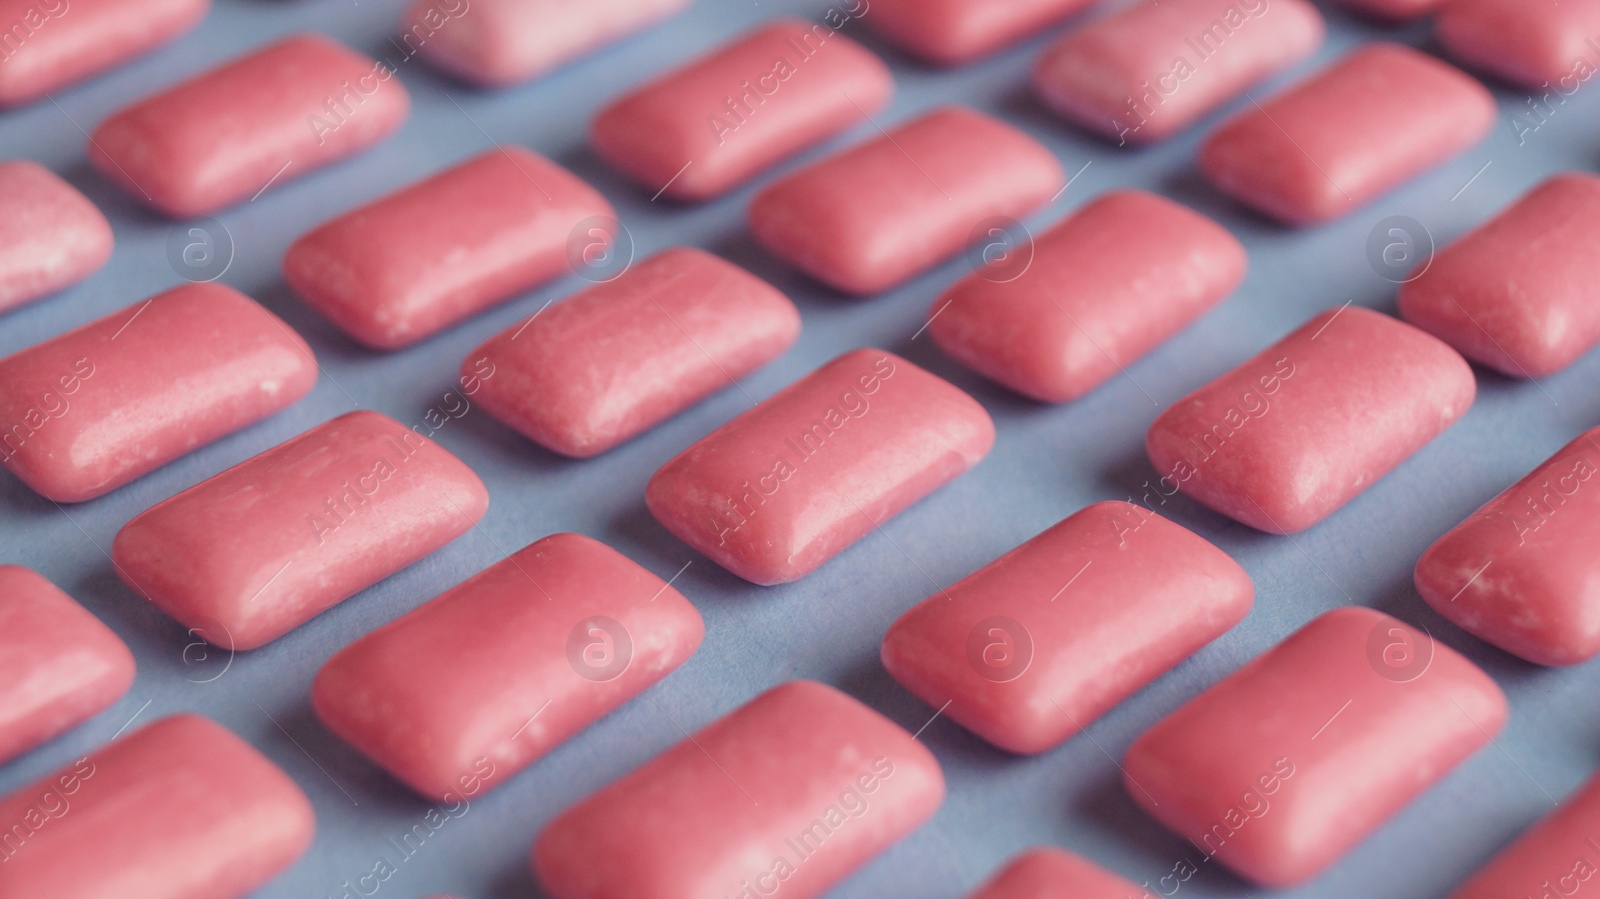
{"points": [[1047, 873], [953, 32], [51, 44], [51, 236], [1536, 45], [1556, 857]]}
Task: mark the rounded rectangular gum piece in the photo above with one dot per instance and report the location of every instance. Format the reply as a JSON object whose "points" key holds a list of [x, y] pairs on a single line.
{"points": [[256, 551], [59, 666], [260, 120], [51, 236], [1535, 45], [1286, 765], [788, 485], [1372, 121], [180, 809], [1048, 873], [1287, 438], [1151, 70], [1033, 647], [496, 43], [625, 355], [700, 130], [88, 411], [411, 264], [798, 788], [884, 211], [1105, 286], [1554, 858], [1521, 572], [1518, 293], [462, 693], [954, 32], [52, 44]]}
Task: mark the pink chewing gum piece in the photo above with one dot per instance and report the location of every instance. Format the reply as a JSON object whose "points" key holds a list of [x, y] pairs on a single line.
{"points": [[462, 693], [954, 32], [272, 542], [1285, 766], [97, 407], [181, 809], [1554, 858], [59, 666], [1286, 439], [1036, 645], [1151, 70], [52, 44], [1517, 293], [266, 118], [411, 264], [51, 236], [495, 43], [1048, 873], [889, 209], [1107, 285], [790, 484], [1548, 45], [621, 357], [1367, 124], [700, 130], [1393, 10], [1521, 572], [799, 787]]}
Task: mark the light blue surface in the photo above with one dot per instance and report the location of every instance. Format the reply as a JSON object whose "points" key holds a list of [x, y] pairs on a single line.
{"points": [[1048, 462]]}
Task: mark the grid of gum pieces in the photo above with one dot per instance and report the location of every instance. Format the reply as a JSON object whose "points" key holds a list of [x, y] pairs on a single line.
{"points": [[824, 626]]}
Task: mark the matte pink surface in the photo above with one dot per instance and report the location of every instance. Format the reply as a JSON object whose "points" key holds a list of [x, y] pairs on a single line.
{"points": [[496, 43], [1519, 292], [1106, 285], [1048, 873], [411, 264], [871, 217], [953, 32], [615, 360], [482, 681], [59, 666], [700, 130], [793, 791], [1286, 439], [95, 408], [1033, 647], [52, 44], [1556, 857], [263, 119], [788, 485], [1372, 121], [181, 809], [1281, 769], [1522, 572], [258, 550], [1393, 10], [1525, 43], [51, 236], [1151, 70]]}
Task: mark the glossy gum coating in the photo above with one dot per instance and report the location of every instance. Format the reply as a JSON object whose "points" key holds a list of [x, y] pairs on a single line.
{"points": [[62, 42], [884, 211], [798, 766], [51, 236], [1521, 572], [679, 135], [1527, 44], [59, 666], [1287, 438], [95, 408], [1518, 293], [263, 119], [460, 694], [1377, 118], [1113, 76], [1553, 858], [496, 43], [619, 358], [1393, 10], [953, 32], [1107, 285], [1048, 873], [180, 809], [1282, 768], [1092, 609], [843, 449], [279, 538], [411, 264]]}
